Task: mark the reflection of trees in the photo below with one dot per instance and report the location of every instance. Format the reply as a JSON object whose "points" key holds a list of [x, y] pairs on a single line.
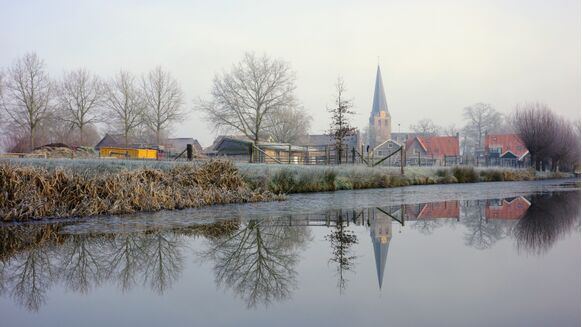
{"points": [[341, 240], [127, 255], [258, 261], [482, 233], [426, 226], [164, 260], [30, 275], [35, 257], [550, 217], [82, 262]]}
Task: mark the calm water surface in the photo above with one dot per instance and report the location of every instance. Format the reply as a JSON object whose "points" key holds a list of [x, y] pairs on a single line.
{"points": [[495, 254]]}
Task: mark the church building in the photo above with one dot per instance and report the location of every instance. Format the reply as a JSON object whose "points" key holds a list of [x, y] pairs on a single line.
{"points": [[380, 128]]}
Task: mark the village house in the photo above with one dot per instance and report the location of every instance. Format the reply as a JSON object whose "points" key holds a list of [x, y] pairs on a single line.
{"points": [[508, 209], [507, 150], [433, 150], [433, 210]]}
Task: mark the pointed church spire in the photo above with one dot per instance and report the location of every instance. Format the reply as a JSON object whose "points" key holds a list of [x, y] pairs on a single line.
{"points": [[379, 104], [380, 254], [381, 233]]}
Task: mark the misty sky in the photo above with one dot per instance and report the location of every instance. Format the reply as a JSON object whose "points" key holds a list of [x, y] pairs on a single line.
{"points": [[436, 56]]}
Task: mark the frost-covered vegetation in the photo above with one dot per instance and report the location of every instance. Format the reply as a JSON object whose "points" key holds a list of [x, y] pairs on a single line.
{"points": [[30, 192], [300, 179], [32, 188]]}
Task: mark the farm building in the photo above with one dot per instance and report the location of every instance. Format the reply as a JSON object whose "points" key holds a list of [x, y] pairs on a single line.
{"points": [[513, 208], [506, 150], [433, 150], [127, 153], [321, 150]]}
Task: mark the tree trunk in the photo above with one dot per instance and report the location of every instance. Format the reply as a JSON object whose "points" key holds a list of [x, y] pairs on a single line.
{"points": [[31, 139], [81, 135]]}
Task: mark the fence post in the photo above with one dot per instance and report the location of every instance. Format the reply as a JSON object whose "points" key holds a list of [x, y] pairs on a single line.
{"points": [[347, 153], [402, 160], [289, 155], [189, 152], [353, 155], [251, 152]]}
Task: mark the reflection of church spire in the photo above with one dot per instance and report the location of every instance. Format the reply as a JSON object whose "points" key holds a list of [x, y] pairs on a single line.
{"points": [[381, 233]]}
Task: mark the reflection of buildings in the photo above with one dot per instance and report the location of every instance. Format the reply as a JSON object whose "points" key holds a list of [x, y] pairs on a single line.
{"points": [[433, 210], [381, 233], [510, 208]]}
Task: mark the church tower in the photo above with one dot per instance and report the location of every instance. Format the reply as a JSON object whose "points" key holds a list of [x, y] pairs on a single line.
{"points": [[381, 234], [380, 128]]}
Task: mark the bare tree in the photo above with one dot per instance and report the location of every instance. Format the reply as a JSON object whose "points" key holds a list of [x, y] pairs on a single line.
{"points": [[425, 126], [566, 149], [80, 96], [254, 88], [451, 130], [287, 126], [124, 104], [481, 118], [341, 112], [163, 101], [28, 96], [536, 124]]}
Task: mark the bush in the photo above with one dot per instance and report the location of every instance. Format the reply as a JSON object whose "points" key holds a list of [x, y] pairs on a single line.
{"points": [[282, 181], [343, 183], [465, 174]]}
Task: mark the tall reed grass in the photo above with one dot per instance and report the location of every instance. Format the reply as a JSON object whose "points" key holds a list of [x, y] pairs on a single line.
{"points": [[29, 192]]}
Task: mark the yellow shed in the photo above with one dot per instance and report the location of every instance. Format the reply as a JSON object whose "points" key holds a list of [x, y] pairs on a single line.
{"points": [[128, 153]]}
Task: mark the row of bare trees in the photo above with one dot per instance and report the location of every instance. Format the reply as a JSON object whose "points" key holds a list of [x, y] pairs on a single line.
{"points": [[552, 140], [69, 109]]}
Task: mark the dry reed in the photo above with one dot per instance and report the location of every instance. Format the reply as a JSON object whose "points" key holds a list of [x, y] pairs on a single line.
{"points": [[31, 192]]}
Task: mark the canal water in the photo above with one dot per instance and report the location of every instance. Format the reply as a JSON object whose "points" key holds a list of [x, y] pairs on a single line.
{"points": [[493, 254]]}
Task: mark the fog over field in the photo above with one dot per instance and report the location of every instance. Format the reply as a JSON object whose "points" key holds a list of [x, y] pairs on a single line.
{"points": [[436, 57]]}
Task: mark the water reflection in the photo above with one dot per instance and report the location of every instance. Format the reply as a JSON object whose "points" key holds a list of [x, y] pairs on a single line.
{"points": [[341, 239], [256, 259]]}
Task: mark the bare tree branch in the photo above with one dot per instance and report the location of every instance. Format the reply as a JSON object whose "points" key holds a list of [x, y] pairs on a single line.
{"points": [[244, 97], [80, 95], [28, 98], [163, 101], [124, 104]]}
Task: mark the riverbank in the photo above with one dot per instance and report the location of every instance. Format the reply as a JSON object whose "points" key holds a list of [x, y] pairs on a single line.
{"points": [[36, 188], [32, 192], [304, 179]]}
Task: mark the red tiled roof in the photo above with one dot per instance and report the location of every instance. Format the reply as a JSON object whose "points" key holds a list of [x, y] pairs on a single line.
{"points": [[508, 210], [446, 209], [507, 142], [433, 210], [437, 146]]}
